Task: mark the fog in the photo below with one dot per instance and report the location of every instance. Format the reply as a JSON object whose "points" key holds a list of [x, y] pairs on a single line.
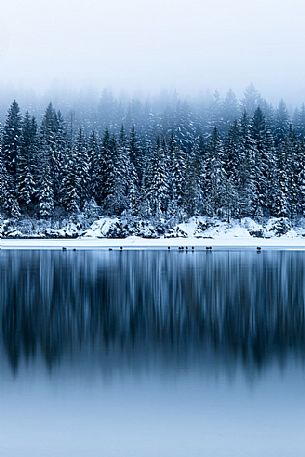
{"points": [[148, 45]]}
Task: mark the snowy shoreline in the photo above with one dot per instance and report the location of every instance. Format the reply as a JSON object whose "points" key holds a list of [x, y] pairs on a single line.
{"points": [[198, 233], [136, 243]]}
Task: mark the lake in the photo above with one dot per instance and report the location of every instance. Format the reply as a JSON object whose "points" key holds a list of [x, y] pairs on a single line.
{"points": [[152, 354]]}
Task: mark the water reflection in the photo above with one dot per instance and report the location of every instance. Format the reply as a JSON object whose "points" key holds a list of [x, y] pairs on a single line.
{"points": [[177, 308]]}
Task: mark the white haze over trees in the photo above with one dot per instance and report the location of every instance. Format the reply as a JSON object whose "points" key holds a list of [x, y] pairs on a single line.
{"points": [[149, 45]]}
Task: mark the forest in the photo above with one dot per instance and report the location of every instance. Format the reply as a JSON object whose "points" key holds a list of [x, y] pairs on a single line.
{"points": [[212, 156]]}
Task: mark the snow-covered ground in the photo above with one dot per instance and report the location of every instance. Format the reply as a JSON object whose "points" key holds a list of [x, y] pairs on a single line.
{"points": [[197, 233], [140, 243]]}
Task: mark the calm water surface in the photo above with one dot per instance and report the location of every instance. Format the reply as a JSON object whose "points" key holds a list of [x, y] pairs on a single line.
{"points": [[152, 354]]}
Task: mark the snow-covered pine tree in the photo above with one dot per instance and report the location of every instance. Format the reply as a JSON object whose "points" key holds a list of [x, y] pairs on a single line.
{"points": [[281, 123], [182, 127], [127, 179], [214, 182], [232, 157], [25, 164], [246, 170], [293, 170], [194, 194], [71, 184], [11, 139], [50, 139], [261, 163], [107, 173], [271, 180], [136, 154], [116, 200], [301, 177], [60, 156], [177, 178], [299, 122], [8, 202], [157, 192], [251, 101], [230, 110], [281, 191], [83, 168], [76, 183], [94, 161], [46, 195], [214, 118], [47, 142]]}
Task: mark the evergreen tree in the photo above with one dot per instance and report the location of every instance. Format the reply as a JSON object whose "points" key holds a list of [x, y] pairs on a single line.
{"points": [[232, 158], [51, 143], [127, 178], [299, 121], [230, 110], [261, 164], [94, 162], [46, 196], [107, 173], [11, 139], [116, 200], [291, 150], [157, 182], [59, 156], [77, 181], [301, 177], [252, 100], [282, 122], [177, 178], [281, 191], [71, 187], [46, 181], [25, 163], [83, 168], [194, 180], [8, 202], [214, 177], [246, 172], [136, 155]]}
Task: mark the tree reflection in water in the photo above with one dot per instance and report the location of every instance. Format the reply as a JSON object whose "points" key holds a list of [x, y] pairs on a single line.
{"points": [[230, 306]]}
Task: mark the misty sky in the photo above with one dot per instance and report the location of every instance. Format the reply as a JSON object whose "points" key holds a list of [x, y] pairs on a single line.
{"points": [[189, 45]]}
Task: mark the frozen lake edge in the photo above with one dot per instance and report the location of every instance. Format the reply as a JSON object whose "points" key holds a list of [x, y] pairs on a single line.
{"points": [[137, 243]]}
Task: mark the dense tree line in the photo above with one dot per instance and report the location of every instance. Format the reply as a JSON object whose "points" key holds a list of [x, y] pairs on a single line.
{"points": [[234, 159]]}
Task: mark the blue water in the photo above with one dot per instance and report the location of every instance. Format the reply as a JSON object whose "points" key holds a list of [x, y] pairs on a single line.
{"points": [[152, 353]]}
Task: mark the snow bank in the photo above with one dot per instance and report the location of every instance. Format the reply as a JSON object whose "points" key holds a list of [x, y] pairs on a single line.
{"points": [[135, 233], [134, 243]]}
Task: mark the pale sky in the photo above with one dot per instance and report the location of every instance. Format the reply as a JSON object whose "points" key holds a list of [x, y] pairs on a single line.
{"points": [[149, 45]]}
